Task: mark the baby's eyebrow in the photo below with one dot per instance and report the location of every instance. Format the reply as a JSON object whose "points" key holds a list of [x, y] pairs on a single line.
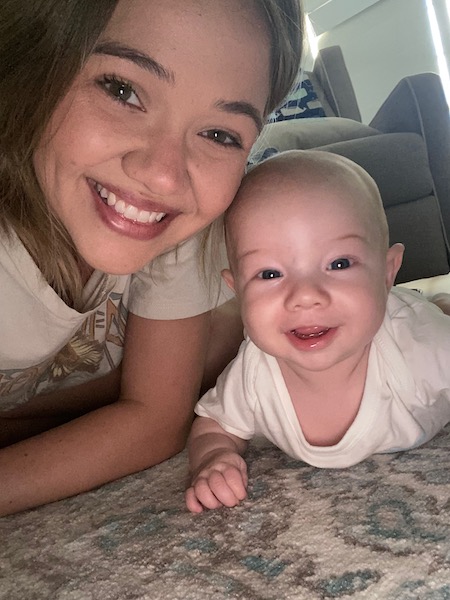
{"points": [[353, 236], [247, 254], [138, 58]]}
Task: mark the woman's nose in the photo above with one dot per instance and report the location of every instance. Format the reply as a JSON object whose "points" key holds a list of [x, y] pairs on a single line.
{"points": [[306, 293], [160, 164]]}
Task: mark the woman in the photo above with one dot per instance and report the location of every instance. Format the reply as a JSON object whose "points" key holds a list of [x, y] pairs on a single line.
{"points": [[125, 131]]}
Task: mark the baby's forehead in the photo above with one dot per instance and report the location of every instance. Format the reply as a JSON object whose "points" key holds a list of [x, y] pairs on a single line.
{"points": [[299, 185], [291, 188]]}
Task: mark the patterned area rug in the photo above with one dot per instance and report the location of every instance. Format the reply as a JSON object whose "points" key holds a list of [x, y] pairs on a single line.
{"points": [[379, 530]]}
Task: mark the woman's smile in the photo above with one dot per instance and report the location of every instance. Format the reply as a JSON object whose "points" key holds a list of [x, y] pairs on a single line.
{"points": [[127, 210], [128, 220], [127, 217]]}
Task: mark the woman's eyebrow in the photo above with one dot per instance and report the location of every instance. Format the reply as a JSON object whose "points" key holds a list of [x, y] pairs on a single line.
{"points": [[149, 64], [138, 58], [242, 108]]}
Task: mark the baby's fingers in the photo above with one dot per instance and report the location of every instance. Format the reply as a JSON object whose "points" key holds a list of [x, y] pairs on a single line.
{"points": [[203, 494], [236, 482], [225, 484], [193, 505], [215, 490]]}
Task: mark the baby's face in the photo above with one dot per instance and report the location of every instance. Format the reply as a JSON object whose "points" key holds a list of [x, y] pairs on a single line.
{"points": [[310, 273]]}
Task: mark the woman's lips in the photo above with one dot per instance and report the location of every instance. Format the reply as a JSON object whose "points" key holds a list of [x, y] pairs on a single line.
{"points": [[127, 210], [126, 218]]}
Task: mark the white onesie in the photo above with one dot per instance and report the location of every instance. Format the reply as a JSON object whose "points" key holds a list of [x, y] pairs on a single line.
{"points": [[406, 398]]}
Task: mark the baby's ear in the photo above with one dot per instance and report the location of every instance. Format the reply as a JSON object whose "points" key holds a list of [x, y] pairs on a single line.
{"points": [[394, 260], [228, 278]]}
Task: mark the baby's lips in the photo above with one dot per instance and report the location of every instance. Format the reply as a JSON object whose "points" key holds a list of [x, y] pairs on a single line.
{"points": [[310, 332]]}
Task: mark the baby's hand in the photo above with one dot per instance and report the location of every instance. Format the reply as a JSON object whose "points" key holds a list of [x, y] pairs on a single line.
{"points": [[443, 301], [221, 481]]}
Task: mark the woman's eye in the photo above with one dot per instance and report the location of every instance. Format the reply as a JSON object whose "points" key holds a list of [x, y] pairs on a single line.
{"points": [[223, 138], [121, 91], [269, 274], [340, 263]]}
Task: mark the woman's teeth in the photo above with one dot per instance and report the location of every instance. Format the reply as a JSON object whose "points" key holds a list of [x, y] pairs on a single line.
{"points": [[128, 210]]}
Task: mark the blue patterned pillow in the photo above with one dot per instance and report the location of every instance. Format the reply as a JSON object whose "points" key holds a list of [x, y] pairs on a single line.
{"points": [[301, 103], [257, 157]]}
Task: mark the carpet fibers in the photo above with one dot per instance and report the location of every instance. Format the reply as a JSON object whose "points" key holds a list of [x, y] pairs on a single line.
{"points": [[379, 530]]}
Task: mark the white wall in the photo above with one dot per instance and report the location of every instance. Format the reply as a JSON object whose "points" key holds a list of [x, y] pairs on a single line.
{"points": [[382, 44]]}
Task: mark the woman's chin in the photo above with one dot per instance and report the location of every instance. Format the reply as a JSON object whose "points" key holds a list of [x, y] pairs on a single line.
{"points": [[117, 265]]}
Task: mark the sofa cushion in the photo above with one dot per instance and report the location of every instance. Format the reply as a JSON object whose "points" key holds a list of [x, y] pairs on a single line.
{"points": [[398, 162], [418, 225], [335, 83], [306, 133]]}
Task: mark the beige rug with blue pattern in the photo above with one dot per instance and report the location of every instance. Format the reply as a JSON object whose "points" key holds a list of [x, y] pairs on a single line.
{"points": [[379, 530]]}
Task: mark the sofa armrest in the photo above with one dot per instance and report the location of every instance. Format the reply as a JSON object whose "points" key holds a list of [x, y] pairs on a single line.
{"points": [[331, 72], [418, 105]]}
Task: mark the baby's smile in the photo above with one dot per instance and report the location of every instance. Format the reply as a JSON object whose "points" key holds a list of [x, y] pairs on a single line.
{"points": [[310, 332], [311, 338]]}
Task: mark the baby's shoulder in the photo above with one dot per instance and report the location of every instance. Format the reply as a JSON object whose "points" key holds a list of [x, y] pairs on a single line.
{"points": [[404, 301], [412, 319]]}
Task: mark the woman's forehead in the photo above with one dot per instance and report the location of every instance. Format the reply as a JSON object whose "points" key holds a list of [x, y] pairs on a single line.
{"points": [[142, 18], [204, 41]]}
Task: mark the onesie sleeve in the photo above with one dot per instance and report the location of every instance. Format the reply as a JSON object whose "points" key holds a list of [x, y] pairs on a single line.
{"points": [[232, 401], [422, 333], [173, 286]]}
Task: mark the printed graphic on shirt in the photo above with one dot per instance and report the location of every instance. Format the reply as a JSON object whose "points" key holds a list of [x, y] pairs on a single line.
{"points": [[95, 349], [80, 354]]}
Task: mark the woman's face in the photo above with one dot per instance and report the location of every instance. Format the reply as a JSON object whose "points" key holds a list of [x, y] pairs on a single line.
{"points": [[149, 145]]}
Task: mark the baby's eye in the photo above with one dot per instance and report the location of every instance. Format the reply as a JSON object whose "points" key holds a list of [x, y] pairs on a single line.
{"points": [[339, 264], [120, 90], [269, 274], [223, 138]]}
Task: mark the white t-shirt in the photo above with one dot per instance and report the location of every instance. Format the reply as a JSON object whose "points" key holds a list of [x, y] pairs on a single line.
{"points": [[45, 344], [406, 398]]}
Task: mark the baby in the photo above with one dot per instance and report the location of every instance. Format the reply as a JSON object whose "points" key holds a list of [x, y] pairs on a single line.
{"points": [[336, 365]]}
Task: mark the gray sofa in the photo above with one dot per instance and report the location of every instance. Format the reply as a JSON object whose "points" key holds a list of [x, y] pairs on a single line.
{"points": [[331, 82], [406, 149]]}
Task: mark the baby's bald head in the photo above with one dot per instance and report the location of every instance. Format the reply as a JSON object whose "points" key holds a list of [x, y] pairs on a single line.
{"points": [[311, 176]]}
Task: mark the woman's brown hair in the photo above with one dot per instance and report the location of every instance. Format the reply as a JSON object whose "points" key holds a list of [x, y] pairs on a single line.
{"points": [[43, 45]]}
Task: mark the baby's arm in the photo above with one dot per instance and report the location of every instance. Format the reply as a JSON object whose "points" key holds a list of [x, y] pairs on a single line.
{"points": [[218, 471]]}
